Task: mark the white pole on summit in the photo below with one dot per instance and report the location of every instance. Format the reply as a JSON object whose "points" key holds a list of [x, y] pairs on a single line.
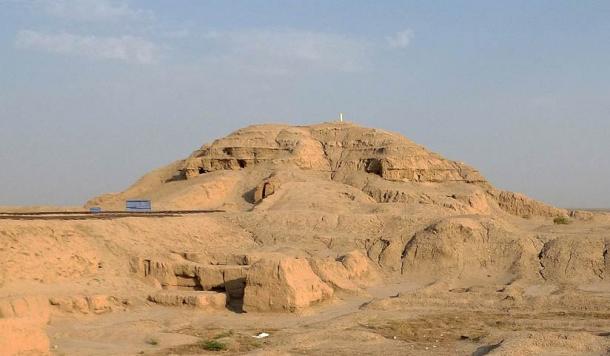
{"points": [[341, 116]]}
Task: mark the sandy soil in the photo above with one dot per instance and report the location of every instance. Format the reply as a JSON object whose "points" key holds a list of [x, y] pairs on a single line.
{"points": [[392, 320]]}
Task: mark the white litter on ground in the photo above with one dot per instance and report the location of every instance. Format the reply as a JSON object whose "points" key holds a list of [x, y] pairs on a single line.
{"points": [[261, 335]]}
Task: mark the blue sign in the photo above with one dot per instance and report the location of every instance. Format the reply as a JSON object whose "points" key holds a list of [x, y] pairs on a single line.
{"points": [[138, 205], [95, 210]]}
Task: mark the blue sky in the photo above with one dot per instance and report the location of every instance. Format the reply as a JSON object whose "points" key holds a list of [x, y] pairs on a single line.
{"points": [[94, 93]]}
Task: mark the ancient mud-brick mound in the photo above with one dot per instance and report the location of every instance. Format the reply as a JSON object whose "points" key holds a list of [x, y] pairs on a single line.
{"points": [[277, 218], [253, 163], [331, 148]]}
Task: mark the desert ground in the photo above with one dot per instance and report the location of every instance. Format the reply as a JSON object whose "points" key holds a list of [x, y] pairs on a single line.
{"points": [[331, 239]]}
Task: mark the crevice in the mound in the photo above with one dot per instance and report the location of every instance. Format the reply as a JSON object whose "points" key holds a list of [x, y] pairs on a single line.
{"points": [[373, 165], [375, 250], [606, 261], [327, 157], [565, 270], [386, 244], [325, 153], [541, 265], [403, 255], [248, 196], [600, 272]]}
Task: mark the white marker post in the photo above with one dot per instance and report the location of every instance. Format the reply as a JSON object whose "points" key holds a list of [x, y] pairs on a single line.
{"points": [[341, 117]]}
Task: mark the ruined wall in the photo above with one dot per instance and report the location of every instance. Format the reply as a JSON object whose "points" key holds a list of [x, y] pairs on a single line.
{"points": [[338, 148]]}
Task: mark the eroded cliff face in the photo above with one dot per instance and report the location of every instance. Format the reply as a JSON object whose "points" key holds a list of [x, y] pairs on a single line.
{"points": [[335, 148]]}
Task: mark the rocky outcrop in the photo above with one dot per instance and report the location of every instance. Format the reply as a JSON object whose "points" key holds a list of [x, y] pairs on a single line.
{"points": [[283, 284]]}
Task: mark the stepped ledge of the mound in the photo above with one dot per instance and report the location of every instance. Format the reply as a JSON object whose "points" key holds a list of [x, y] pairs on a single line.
{"points": [[343, 150], [329, 147]]}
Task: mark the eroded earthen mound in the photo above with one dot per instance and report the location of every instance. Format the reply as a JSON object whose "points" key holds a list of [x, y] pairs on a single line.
{"points": [[304, 216], [328, 189]]}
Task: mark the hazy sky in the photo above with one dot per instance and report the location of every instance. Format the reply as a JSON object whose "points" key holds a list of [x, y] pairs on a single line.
{"points": [[94, 93]]}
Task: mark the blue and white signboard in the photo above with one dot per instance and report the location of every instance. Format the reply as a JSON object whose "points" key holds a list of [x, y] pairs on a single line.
{"points": [[138, 205], [95, 210]]}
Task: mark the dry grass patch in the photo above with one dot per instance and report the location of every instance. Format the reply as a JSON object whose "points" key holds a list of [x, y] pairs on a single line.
{"points": [[561, 220], [218, 341], [431, 329]]}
